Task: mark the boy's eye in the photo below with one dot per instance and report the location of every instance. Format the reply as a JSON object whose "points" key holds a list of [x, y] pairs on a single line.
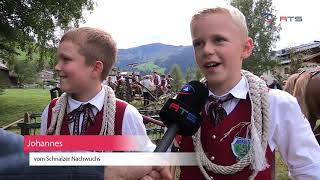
{"points": [[196, 44], [65, 59], [219, 39]]}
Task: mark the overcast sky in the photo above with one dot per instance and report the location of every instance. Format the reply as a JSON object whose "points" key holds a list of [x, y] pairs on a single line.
{"points": [[137, 22]]}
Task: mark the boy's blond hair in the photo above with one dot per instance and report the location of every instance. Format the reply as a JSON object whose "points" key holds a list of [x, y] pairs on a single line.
{"points": [[95, 45], [236, 15]]}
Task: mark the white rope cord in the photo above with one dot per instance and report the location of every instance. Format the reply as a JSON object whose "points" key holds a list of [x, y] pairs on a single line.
{"points": [[60, 105], [109, 110], [259, 126]]}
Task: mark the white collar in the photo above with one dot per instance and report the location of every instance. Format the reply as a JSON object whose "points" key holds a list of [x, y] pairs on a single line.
{"points": [[239, 91], [97, 101]]}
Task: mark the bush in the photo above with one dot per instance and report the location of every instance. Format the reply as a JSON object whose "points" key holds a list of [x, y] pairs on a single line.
{"points": [[3, 84], [1, 90]]}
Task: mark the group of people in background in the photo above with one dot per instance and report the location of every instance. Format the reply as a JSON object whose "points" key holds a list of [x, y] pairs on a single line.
{"points": [[273, 85], [149, 86]]}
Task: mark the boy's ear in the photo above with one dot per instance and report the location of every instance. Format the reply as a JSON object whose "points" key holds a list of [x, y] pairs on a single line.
{"points": [[97, 68], [247, 49]]}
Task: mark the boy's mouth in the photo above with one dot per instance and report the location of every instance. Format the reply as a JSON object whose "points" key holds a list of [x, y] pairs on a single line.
{"points": [[211, 65], [62, 77]]}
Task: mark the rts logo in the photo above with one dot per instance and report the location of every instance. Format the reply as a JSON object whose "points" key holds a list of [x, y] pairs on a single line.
{"points": [[187, 89], [177, 108], [270, 18], [291, 18]]}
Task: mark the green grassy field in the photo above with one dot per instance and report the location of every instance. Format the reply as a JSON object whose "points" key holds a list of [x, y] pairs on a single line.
{"points": [[281, 168], [15, 102]]}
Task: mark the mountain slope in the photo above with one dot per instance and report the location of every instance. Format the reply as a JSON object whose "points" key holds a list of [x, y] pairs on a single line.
{"points": [[159, 54]]}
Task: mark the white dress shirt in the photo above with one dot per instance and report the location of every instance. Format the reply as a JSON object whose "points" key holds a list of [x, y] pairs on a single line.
{"points": [[289, 130], [132, 120], [147, 85]]}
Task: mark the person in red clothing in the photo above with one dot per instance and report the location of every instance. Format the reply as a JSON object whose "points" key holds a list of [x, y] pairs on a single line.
{"points": [[243, 120], [164, 84], [156, 79], [85, 57]]}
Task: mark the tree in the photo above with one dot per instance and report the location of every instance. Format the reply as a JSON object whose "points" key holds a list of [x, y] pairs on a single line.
{"points": [[3, 83], [197, 73], [31, 25], [264, 33], [188, 75], [25, 23], [176, 74], [24, 67], [26, 73], [296, 60]]}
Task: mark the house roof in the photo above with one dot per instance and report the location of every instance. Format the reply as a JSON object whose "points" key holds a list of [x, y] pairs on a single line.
{"points": [[306, 58], [311, 56], [298, 48]]}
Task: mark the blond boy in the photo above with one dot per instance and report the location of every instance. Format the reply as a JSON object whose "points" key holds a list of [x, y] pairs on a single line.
{"points": [[258, 119], [85, 57]]}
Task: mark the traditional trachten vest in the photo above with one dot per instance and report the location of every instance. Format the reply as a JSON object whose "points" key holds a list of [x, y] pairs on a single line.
{"points": [[109, 120], [222, 147], [95, 128]]}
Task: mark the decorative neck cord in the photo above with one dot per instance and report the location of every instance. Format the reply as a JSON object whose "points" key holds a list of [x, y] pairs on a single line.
{"points": [[109, 109], [259, 127]]}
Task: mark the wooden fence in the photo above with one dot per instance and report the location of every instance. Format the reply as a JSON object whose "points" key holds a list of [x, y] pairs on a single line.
{"points": [[30, 124]]}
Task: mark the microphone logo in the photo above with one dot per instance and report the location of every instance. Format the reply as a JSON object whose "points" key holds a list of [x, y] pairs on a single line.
{"points": [[183, 112], [187, 89]]}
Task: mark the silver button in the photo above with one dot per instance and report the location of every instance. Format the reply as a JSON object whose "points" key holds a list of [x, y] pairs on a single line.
{"points": [[212, 158], [214, 136], [211, 177]]}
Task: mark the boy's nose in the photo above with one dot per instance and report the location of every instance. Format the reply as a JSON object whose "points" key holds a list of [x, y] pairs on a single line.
{"points": [[208, 48], [57, 67]]}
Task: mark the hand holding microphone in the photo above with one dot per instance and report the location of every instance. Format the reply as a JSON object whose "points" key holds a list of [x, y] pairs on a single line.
{"points": [[182, 115]]}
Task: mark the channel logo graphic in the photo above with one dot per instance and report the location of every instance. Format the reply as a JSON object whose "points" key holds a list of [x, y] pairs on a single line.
{"points": [[187, 89], [270, 18], [183, 112]]}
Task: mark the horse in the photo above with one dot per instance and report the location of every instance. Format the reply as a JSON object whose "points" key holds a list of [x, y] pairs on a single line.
{"points": [[290, 83], [305, 86]]}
